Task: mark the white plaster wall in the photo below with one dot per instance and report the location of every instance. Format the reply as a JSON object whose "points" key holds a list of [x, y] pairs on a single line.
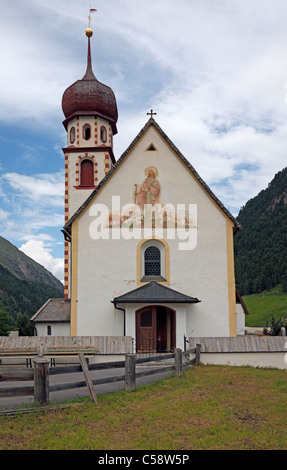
{"points": [[107, 268], [240, 320], [57, 329], [276, 360]]}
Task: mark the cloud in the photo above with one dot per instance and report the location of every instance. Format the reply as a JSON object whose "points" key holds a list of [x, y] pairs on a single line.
{"points": [[40, 253], [214, 71], [3, 214], [31, 204], [38, 186]]}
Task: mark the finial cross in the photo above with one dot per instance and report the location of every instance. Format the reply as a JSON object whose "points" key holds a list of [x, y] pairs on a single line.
{"points": [[152, 113]]}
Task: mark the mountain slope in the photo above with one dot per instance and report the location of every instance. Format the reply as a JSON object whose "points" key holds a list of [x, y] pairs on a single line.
{"points": [[24, 284], [260, 249], [25, 268]]}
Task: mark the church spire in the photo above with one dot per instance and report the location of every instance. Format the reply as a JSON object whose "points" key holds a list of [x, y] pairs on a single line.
{"points": [[88, 96], [89, 75]]}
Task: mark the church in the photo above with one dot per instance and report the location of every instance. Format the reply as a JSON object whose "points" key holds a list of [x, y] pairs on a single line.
{"points": [[148, 245]]}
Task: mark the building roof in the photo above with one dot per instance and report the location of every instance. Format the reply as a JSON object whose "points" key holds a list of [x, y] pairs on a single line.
{"points": [[151, 122], [154, 293], [54, 310], [239, 300], [240, 344]]}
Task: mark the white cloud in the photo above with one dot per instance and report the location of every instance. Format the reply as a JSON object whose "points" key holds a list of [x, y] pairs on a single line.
{"points": [[3, 215], [37, 250], [38, 186], [214, 71], [35, 203]]}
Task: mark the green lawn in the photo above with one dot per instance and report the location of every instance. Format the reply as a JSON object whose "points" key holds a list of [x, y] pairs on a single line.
{"points": [[263, 306], [208, 408]]}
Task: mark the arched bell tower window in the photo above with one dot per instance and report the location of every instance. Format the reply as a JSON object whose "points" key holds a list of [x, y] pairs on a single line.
{"points": [[72, 135], [87, 131], [103, 134], [87, 173]]}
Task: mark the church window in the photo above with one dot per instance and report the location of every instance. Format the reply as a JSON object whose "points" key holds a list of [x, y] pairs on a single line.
{"points": [[49, 330], [87, 173], [87, 131], [103, 134], [152, 261], [72, 135]]}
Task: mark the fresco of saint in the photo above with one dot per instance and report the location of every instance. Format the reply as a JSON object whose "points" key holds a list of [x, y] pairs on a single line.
{"points": [[149, 191]]}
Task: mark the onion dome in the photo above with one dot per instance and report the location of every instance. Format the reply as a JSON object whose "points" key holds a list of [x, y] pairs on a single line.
{"points": [[88, 96]]}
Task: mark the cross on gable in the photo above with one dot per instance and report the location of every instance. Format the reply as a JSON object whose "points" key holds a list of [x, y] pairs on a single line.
{"points": [[151, 113]]}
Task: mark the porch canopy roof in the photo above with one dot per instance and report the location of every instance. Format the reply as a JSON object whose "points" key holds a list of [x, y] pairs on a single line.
{"points": [[154, 293]]}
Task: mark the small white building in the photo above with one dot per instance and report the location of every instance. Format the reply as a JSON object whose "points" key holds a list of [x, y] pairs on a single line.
{"points": [[148, 246], [53, 318]]}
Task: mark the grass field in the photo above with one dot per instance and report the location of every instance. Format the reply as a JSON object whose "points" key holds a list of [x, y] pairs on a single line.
{"points": [[208, 408], [263, 306]]}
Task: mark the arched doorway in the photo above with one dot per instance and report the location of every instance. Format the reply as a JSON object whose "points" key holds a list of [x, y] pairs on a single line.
{"points": [[155, 329]]}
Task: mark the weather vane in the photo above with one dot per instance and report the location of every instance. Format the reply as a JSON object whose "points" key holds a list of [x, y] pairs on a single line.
{"points": [[90, 18]]}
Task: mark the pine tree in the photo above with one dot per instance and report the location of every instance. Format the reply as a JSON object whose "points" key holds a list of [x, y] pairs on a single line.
{"points": [[6, 322]]}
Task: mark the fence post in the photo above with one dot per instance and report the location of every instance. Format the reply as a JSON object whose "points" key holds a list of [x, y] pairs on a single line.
{"points": [[178, 362], [130, 372], [197, 353], [41, 380]]}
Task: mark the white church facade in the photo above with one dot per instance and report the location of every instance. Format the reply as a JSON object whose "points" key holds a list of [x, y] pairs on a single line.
{"points": [[148, 246]]}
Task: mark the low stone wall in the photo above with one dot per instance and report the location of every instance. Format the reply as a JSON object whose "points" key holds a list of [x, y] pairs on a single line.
{"points": [[103, 344], [255, 351]]}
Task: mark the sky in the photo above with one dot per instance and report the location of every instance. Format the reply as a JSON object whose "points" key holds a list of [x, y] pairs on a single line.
{"points": [[214, 71]]}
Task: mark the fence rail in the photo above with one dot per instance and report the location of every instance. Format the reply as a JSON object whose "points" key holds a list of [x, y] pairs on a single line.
{"points": [[41, 372]]}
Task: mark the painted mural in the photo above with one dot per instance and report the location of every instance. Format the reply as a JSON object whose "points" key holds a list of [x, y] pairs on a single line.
{"points": [[147, 209], [149, 191]]}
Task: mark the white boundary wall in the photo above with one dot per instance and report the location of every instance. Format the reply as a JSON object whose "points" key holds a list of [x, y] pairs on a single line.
{"points": [[255, 351]]}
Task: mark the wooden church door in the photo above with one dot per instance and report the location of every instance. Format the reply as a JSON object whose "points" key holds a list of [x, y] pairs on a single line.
{"points": [[155, 329]]}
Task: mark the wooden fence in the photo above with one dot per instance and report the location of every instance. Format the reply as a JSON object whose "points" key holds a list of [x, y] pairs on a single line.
{"points": [[101, 344], [41, 372]]}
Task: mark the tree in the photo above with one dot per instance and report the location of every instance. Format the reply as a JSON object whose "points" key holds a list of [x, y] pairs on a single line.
{"points": [[24, 325], [284, 284], [6, 322]]}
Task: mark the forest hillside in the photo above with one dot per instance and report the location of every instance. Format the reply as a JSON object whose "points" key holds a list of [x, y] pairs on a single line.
{"points": [[24, 284], [260, 248]]}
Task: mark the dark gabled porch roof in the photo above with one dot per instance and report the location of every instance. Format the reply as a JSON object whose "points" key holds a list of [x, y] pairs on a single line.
{"points": [[154, 293]]}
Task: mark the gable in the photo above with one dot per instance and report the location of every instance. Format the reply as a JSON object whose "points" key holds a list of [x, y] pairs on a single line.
{"points": [[178, 182]]}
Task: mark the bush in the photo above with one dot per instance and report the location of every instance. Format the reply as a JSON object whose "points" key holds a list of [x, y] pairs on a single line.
{"points": [[275, 327]]}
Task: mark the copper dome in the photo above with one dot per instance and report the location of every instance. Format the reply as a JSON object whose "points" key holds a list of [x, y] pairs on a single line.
{"points": [[90, 97]]}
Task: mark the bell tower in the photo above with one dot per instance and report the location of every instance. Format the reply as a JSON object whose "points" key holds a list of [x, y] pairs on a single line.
{"points": [[91, 114]]}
